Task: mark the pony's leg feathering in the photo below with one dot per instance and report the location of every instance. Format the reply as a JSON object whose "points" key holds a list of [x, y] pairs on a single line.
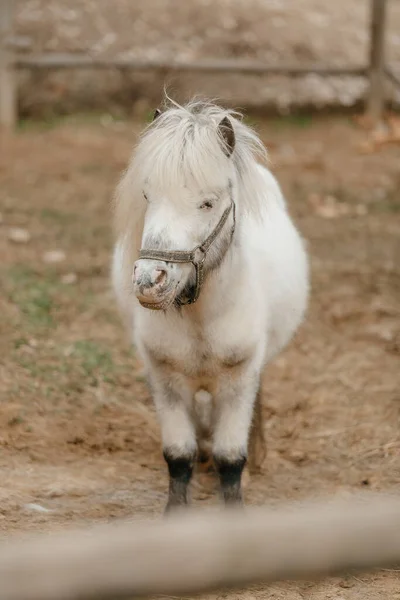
{"points": [[180, 470]]}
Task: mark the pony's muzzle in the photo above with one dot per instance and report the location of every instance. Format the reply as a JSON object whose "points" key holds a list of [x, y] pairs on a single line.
{"points": [[150, 282]]}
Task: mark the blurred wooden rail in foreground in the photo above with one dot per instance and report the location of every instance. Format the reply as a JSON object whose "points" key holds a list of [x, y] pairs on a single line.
{"points": [[196, 552], [375, 71]]}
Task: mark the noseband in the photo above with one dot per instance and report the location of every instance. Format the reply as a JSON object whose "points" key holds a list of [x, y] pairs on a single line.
{"points": [[197, 256]]}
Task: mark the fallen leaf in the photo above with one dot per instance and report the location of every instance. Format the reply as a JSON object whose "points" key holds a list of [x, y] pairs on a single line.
{"points": [[364, 121], [54, 256], [366, 147], [18, 235], [328, 207], [326, 211], [69, 278], [384, 133], [394, 124]]}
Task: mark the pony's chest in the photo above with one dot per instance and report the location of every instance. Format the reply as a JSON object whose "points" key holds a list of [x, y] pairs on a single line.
{"points": [[200, 351]]}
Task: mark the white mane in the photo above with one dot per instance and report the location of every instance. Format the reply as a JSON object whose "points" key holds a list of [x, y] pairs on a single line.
{"points": [[184, 142]]}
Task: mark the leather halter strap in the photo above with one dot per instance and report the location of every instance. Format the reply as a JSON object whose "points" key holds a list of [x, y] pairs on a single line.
{"points": [[197, 256]]}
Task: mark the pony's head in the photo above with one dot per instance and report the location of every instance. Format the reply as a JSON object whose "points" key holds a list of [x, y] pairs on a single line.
{"points": [[176, 206]]}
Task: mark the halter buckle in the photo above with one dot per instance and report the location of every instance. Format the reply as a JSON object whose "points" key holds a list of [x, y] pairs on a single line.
{"points": [[198, 259]]}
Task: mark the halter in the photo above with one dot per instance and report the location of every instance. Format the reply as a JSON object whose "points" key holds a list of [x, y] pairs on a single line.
{"points": [[197, 256]]}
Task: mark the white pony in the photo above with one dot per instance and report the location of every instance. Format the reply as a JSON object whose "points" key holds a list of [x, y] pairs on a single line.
{"points": [[205, 241]]}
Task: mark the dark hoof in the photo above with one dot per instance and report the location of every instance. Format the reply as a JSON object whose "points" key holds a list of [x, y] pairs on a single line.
{"points": [[236, 503]]}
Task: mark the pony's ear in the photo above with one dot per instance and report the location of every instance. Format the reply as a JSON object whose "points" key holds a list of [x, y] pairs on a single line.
{"points": [[157, 113], [227, 133]]}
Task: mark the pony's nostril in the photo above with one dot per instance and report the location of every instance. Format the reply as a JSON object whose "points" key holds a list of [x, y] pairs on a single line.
{"points": [[159, 276]]}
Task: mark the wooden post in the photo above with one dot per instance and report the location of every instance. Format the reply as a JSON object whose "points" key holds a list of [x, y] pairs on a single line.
{"points": [[376, 98], [8, 105]]}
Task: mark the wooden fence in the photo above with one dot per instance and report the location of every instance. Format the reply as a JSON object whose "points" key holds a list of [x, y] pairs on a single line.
{"points": [[376, 70], [192, 553]]}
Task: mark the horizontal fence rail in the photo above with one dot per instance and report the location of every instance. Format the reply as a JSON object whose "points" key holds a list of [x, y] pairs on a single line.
{"points": [[71, 61], [375, 71], [193, 552]]}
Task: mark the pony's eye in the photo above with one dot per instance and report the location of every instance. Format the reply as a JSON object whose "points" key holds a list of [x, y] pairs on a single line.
{"points": [[145, 197], [207, 205]]}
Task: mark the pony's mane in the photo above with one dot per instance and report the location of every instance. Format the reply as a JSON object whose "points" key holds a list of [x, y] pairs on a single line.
{"points": [[184, 139]]}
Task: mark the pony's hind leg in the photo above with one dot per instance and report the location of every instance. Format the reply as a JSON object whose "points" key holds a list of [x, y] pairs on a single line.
{"points": [[257, 443], [205, 462], [203, 408]]}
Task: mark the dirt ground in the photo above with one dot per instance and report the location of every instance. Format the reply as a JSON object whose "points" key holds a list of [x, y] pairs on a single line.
{"points": [[79, 441]]}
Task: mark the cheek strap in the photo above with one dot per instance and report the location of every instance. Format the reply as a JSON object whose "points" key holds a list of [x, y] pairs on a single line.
{"points": [[197, 256]]}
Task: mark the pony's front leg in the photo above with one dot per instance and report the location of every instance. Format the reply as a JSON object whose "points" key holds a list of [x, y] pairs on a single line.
{"points": [[234, 408], [178, 438]]}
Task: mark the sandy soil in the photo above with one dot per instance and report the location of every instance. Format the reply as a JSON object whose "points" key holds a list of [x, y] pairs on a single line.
{"points": [[77, 430]]}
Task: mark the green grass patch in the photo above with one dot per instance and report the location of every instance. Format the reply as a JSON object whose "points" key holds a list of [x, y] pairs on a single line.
{"points": [[53, 216], [33, 295], [34, 125], [251, 121], [52, 121], [86, 364], [391, 204], [16, 420], [93, 357], [291, 121]]}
